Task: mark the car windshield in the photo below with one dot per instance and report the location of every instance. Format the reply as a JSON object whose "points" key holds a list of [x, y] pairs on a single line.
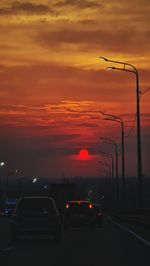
{"points": [[35, 205]]}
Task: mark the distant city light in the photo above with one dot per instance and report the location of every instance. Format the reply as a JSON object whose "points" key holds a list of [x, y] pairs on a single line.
{"points": [[2, 164]]}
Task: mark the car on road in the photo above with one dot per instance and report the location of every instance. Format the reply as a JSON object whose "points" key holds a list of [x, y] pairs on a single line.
{"points": [[36, 215], [9, 207], [98, 213], [79, 214]]}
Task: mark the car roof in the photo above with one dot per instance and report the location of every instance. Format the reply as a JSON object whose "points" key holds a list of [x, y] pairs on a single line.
{"points": [[79, 201], [35, 197]]}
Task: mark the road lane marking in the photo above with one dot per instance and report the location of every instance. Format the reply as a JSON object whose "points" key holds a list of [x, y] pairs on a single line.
{"points": [[129, 231]]}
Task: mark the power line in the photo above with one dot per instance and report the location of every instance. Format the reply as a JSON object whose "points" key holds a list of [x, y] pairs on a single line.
{"points": [[145, 91], [133, 123], [131, 128]]}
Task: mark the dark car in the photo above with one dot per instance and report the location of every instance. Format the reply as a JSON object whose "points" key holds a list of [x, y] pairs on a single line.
{"points": [[98, 214], [79, 214], [9, 207], [36, 215]]}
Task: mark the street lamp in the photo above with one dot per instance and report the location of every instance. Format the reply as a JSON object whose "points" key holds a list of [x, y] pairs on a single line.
{"points": [[109, 171], [7, 180], [9, 174], [108, 166], [109, 155], [34, 180], [112, 142], [119, 120], [2, 164], [133, 70], [104, 172]]}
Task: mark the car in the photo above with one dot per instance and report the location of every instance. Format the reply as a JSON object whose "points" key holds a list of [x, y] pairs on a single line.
{"points": [[79, 214], [9, 207], [36, 215], [98, 213]]}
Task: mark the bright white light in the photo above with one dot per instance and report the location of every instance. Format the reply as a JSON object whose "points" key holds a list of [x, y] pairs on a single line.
{"points": [[2, 164]]}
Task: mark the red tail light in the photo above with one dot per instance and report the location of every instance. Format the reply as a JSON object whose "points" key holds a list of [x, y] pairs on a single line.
{"points": [[67, 206], [90, 206]]}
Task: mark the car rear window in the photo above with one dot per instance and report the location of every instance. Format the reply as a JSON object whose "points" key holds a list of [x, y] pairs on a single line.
{"points": [[36, 205], [79, 209]]}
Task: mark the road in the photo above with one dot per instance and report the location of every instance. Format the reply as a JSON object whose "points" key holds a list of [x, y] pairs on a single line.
{"points": [[108, 246]]}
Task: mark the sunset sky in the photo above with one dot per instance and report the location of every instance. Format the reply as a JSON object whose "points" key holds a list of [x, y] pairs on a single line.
{"points": [[53, 84]]}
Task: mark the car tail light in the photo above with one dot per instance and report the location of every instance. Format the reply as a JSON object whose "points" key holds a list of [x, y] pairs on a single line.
{"points": [[67, 206], [90, 206]]}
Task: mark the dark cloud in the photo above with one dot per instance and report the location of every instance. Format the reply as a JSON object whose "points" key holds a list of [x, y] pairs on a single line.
{"points": [[65, 81], [88, 125], [48, 145], [82, 4], [12, 107], [127, 40], [26, 8], [146, 115], [61, 137]]}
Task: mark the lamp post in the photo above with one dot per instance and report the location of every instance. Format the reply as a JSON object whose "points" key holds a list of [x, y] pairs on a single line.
{"points": [[119, 120], [21, 179], [2, 165], [7, 179], [133, 70], [103, 172], [109, 172], [109, 155], [112, 142], [108, 166]]}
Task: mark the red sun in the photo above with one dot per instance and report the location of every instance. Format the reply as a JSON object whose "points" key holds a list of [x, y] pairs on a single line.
{"points": [[84, 154]]}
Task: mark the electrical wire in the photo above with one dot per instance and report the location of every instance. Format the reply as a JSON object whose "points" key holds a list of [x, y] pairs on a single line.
{"points": [[131, 128], [133, 123], [145, 91]]}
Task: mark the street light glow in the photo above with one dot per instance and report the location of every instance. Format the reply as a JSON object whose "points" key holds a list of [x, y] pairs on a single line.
{"points": [[2, 164]]}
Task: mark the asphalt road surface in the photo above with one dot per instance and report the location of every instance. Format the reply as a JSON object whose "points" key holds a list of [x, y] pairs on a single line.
{"points": [[109, 246]]}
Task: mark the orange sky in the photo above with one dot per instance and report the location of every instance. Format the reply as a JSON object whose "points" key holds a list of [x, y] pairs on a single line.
{"points": [[52, 82]]}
